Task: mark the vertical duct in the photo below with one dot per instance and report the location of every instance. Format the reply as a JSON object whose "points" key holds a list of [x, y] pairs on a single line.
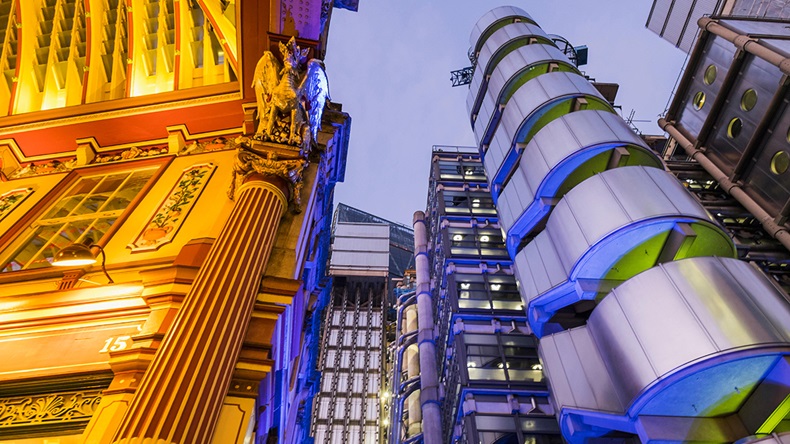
{"points": [[429, 381]]}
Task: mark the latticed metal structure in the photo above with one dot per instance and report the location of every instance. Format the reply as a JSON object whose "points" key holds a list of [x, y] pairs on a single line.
{"points": [[368, 255]]}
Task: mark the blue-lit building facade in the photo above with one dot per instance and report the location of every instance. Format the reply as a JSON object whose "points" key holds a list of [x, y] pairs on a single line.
{"points": [[494, 390], [650, 309]]}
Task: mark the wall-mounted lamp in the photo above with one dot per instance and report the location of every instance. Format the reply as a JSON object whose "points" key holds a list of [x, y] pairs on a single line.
{"points": [[76, 255]]}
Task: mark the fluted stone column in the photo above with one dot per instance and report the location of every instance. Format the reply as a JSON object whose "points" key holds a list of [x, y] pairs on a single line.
{"points": [[180, 397]]}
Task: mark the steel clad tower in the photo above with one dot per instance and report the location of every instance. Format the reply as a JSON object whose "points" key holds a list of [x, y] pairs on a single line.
{"points": [[650, 328]]}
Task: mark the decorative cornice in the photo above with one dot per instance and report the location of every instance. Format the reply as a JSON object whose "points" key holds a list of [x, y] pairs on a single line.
{"points": [[131, 153], [48, 409], [145, 109]]}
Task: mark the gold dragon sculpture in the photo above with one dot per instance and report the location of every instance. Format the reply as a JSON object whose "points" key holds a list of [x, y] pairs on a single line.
{"points": [[290, 96]]}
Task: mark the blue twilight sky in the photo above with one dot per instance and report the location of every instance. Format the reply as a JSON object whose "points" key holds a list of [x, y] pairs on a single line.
{"points": [[389, 65]]}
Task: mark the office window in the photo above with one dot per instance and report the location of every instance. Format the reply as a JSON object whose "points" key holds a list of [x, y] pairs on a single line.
{"points": [[474, 203], [487, 292], [476, 242], [501, 357], [84, 213]]}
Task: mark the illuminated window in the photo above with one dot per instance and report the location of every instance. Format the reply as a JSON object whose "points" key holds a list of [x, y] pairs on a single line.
{"points": [[710, 74], [748, 99], [780, 162], [502, 357], [699, 100], [85, 213]]}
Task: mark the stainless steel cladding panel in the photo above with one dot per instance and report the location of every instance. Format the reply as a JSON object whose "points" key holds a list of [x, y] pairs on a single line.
{"points": [[703, 89], [497, 46], [577, 374], [513, 66], [671, 316], [768, 179], [714, 316], [748, 101], [614, 199], [610, 227], [701, 8], [676, 20], [491, 18], [529, 102], [557, 152]]}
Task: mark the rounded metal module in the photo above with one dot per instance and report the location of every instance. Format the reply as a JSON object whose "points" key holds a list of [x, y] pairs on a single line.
{"points": [[493, 20], [605, 231], [533, 106], [501, 43], [517, 67], [564, 153], [674, 352]]}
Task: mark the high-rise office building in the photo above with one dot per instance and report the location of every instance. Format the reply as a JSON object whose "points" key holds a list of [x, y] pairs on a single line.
{"points": [[652, 325], [172, 141], [493, 389]]}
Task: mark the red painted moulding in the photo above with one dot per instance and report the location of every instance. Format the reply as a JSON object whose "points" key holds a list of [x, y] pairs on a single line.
{"points": [[129, 128]]}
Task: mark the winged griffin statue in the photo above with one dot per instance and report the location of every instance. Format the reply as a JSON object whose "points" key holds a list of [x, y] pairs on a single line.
{"points": [[290, 99]]}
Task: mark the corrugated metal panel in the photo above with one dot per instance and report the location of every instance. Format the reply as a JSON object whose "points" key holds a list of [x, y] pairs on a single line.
{"points": [[679, 17], [676, 20], [360, 249], [658, 17]]}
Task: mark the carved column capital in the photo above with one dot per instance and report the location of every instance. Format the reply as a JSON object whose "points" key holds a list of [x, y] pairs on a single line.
{"points": [[250, 161]]}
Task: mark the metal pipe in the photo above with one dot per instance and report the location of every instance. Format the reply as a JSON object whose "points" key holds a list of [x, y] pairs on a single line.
{"points": [[779, 232], [412, 364], [746, 43], [429, 379], [407, 332]]}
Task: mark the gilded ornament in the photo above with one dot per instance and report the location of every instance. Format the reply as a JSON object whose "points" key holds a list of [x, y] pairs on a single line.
{"points": [[249, 161], [49, 408], [53, 166], [290, 98]]}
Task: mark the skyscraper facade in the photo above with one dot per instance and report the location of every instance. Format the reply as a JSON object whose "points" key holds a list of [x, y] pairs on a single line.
{"points": [[493, 389], [649, 326]]}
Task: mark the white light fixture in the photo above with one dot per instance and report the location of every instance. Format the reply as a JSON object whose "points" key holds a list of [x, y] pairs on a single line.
{"points": [[484, 238], [465, 285], [458, 237], [470, 364], [78, 255], [496, 287], [537, 367]]}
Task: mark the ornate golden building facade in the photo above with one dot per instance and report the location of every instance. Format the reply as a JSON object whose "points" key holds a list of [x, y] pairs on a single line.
{"points": [[191, 146]]}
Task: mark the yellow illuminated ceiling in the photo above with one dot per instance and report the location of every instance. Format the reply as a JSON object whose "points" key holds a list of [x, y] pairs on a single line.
{"points": [[58, 53]]}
